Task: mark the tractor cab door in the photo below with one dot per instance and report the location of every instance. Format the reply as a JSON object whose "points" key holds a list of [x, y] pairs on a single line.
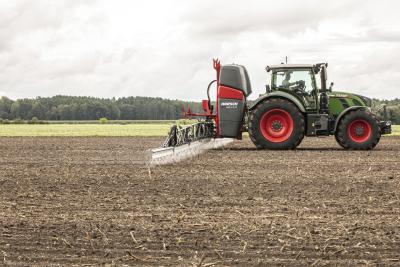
{"points": [[300, 82]]}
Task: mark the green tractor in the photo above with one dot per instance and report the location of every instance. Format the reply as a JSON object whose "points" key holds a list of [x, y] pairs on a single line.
{"points": [[298, 103]]}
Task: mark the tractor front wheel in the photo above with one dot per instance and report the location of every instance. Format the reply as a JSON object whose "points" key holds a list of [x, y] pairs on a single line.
{"points": [[358, 130], [276, 124]]}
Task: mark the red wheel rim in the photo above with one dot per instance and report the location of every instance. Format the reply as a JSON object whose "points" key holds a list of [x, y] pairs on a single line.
{"points": [[276, 125], [359, 131]]}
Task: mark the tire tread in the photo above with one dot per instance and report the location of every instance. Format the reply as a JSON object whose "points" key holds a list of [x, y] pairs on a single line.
{"points": [[341, 133], [254, 120]]}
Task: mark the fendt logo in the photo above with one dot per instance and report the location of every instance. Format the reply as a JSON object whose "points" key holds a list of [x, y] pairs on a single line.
{"points": [[229, 104]]}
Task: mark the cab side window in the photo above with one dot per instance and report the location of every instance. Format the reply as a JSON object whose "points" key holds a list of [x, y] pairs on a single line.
{"points": [[298, 81]]}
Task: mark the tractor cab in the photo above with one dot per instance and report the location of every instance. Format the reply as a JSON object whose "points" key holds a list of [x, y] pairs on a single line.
{"points": [[298, 80]]}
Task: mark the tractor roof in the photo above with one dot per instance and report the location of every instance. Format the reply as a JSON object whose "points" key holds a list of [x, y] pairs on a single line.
{"points": [[295, 66], [291, 66]]}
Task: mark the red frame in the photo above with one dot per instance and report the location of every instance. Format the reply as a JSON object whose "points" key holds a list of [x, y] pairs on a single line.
{"points": [[222, 92], [208, 113]]}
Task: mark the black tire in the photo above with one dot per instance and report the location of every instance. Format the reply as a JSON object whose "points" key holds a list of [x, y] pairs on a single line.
{"points": [[269, 105], [337, 140], [367, 137]]}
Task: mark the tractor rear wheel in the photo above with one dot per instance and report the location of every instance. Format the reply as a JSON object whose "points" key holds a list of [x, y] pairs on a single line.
{"points": [[358, 130], [276, 124]]}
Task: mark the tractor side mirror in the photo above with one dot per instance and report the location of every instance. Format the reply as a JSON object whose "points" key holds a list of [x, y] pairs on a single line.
{"points": [[330, 87], [267, 88], [324, 78], [325, 73]]}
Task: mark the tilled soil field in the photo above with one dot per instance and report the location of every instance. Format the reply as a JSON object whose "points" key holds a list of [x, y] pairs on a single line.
{"points": [[94, 201]]}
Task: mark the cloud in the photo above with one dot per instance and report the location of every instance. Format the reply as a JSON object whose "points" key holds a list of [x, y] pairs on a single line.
{"points": [[164, 48], [222, 19]]}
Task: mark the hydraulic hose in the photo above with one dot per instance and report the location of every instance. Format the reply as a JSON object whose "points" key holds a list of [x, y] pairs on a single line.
{"points": [[208, 95]]}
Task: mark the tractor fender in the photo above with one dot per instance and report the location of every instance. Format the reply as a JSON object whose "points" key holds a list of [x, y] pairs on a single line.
{"points": [[344, 112], [279, 94]]}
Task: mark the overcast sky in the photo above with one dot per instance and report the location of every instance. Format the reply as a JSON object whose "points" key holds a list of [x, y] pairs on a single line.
{"points": [[165, 48]]}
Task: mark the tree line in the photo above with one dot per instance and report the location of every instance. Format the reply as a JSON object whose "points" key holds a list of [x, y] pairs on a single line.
{"points": [[392, 108], [93, 108], [125, 108]]}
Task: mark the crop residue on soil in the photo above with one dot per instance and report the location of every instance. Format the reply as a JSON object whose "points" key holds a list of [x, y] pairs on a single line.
{"points": [[77, 201]]}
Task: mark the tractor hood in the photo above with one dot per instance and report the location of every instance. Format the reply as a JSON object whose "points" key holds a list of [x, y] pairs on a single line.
{"points": [[364, 101], [339, 101]]}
